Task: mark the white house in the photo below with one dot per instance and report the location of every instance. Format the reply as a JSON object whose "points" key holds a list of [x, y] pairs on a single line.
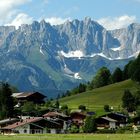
{"points": [[31, 125]]}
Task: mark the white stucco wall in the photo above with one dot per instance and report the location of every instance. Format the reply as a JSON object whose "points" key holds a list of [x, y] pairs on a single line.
{"points": [[53, 131], [22, 129], [112, 125]]}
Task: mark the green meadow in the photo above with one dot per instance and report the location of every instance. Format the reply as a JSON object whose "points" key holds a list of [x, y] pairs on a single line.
{"points": [[73, 137], [96, 99]]}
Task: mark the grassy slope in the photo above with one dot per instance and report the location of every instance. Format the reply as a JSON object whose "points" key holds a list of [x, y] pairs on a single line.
{"points": [[97, 98]]}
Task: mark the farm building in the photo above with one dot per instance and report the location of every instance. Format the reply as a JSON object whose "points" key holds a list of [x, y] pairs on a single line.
{"points": [[120, 118], [8, 121], [60, 118], [34, 97], [112, 120], [78, 118], [32, 125], [106, 122]]}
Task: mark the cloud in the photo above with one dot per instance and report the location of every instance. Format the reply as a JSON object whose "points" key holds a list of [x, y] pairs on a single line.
{"points": [[8, 8], [21, 18], [56, 20], [117, 22]]}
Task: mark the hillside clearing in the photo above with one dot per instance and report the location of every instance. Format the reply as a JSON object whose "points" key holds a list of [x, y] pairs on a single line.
{"points": [[97, 98]]}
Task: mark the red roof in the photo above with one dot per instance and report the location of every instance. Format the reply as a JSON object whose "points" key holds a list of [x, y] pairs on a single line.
{"points": [[54, 114], [23, 122]]}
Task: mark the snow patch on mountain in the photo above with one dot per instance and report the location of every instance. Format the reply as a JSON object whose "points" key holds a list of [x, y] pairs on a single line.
{"points": [[70, 73], [41, 51], [101, 54], [33, 81], [116, 49], [134, 55], [118, 58], [67, 70], [77, 76], [77, 53]]}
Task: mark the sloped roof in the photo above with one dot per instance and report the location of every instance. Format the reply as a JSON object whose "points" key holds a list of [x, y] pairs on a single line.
{"points": [[8, 120], [16, 94], [79, 113], [21, 123], [108, 119], [25, 94], [54, 114], [119, 114]]}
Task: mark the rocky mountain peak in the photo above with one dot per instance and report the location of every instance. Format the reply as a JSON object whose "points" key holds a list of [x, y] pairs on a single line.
{"points": [[52, 58]]}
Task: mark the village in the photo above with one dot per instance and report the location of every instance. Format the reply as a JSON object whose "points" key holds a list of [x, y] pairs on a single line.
{"points": [[55, 121]]}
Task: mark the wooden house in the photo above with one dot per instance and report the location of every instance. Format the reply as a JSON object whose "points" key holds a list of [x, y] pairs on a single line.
{"points": [[111, 120], [120, 118], [55, 115], [34, 97], [8, 121], [106, 123], [59, 118], [78, 118], [31, 125]]}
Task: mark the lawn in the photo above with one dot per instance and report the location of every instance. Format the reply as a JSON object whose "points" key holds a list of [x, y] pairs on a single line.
{"points": [[73, 137]]}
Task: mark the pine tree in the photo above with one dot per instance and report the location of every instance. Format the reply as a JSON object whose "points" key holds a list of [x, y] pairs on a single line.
{"points": [[126, 71], [82, 88], [134, 69], [128, 101], [117, 76], [57, 104], [6, 101]]}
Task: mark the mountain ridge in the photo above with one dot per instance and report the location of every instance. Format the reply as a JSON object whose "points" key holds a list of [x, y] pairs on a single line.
{"points": [[50, 58]]}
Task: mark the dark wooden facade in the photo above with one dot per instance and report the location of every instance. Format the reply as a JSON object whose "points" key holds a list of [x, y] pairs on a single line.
{"points": [[78, 118], [121, 118], [34, 97]]}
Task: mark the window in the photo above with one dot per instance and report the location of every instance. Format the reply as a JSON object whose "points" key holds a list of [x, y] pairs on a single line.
{"points": [[25, 131]]}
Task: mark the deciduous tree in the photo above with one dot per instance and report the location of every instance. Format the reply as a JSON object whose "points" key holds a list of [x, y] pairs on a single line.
{"points": [[90, 124], [102, 78]]}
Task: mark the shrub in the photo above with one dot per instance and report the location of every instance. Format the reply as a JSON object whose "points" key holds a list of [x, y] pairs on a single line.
{"points": [[124, 129], [90, 125], [82, 107], [74, 129], [106, 108]]}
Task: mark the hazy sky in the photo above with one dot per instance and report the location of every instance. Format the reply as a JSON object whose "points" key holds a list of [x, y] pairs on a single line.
{"points": [[111, 13]]}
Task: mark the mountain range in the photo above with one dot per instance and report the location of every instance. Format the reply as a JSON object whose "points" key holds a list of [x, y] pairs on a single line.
{"points": [[53, 59]]}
